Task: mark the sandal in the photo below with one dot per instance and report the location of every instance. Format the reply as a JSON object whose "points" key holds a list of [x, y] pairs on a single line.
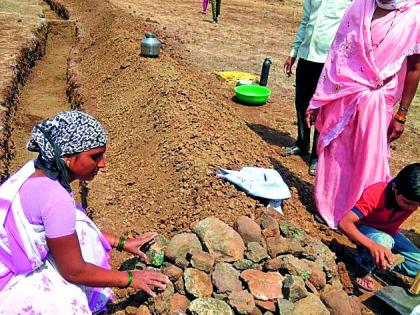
{"points": [[293, 150], [366, 283], [312, 168]]}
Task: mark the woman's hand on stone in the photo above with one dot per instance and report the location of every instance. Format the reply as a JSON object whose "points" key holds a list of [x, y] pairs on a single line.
{"points": [[133, 245], [395, 130], [148, 280], [381, 256]]}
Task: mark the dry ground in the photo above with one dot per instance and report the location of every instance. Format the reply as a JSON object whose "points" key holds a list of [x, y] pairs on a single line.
{"points": [[171, 121]]}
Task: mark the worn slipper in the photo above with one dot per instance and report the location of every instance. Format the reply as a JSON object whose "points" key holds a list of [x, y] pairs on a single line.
{"points": [[312, 168], [366, 283], [293, 150]]}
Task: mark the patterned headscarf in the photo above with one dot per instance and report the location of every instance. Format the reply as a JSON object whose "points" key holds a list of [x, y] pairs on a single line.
{"points": [[67, 133]]}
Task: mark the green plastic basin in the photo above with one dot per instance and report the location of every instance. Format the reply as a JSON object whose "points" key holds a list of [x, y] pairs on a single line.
{"points": [[252, 94]]}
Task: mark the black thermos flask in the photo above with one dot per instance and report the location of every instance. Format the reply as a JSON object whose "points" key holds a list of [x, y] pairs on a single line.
{"points": [[265, 71]]}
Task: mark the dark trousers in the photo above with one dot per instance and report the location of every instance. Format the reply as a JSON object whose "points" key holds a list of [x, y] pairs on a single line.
{"points": [[307, 76], [215, 8]]}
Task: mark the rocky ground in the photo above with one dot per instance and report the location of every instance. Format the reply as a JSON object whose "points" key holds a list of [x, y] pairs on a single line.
{"points": [[256, 268], [171, 121]]}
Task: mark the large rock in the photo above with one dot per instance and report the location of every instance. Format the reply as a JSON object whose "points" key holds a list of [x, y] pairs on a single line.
{"points": [[243, 264], [209, 306], [356, 305], [285, 307], [267, 221], [223, 242], [248, 229], [310, 305], [242, 301], [256, 311], [197, 283], [161, 303], [156, 251], [226, 278], [179, 304], [288, 230], [294, 288], [263, 285], [276, 244], [180, 246], [202, 260], [269, 305], [173, 272], [256, 252], [179, 285], [306, 269], [337, 301], [317, 251]]}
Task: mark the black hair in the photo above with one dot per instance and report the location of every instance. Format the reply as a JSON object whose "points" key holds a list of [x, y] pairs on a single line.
{"points": [[407, 182]]}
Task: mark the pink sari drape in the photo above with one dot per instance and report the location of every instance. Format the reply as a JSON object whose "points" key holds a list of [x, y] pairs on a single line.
{"points": [[360, 83]]}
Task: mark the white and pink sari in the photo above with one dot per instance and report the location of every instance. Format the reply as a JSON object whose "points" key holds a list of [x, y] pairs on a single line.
{"points": [[29, 280], [361, 82]]}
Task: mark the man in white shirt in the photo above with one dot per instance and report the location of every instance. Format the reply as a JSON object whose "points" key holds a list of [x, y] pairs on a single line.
{"points": [[319, 23]]}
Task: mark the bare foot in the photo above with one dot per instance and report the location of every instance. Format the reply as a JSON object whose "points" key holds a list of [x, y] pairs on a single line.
{"points": [[367, 283]]}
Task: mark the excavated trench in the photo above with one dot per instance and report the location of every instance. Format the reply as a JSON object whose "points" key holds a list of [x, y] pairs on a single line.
{"points": [[44, 93]]}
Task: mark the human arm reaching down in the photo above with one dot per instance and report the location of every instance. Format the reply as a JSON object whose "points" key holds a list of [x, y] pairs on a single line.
{"points": [[411, 82], [70, 263], [381, 256]]}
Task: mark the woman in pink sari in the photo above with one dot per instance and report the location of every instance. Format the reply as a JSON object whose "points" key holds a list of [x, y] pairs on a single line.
{"points": [[373, 64]]}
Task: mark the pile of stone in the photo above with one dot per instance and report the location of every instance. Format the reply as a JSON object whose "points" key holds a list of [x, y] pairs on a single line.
{"points": [[265, 267]]}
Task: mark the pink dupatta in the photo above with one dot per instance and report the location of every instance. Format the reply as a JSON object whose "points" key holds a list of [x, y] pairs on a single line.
{"points": [[355, 105]]}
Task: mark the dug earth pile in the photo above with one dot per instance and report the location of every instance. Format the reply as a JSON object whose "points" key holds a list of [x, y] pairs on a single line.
{"points": [[170, 127]]}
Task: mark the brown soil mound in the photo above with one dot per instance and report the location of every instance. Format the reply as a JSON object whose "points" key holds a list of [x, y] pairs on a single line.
{"points": [[167, 132]]}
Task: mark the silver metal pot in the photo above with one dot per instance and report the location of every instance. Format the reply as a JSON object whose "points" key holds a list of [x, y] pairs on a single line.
{"points": [[150, 45]]}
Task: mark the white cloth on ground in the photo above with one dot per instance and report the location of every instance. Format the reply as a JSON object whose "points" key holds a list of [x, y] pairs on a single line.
{"points": [[259, 182]]}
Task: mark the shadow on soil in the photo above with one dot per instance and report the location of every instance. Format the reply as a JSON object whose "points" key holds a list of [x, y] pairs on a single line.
{"points": [[275, 137], [305, 190], [272, 136]]}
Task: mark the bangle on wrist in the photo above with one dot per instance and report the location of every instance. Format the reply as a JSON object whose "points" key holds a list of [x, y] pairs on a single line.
{"points": [[400, 118], [121, 244], [130, 279]]}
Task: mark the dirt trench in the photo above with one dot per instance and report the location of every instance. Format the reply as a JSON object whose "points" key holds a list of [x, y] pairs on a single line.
{"points": [[44, 93], [22, 43]]}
